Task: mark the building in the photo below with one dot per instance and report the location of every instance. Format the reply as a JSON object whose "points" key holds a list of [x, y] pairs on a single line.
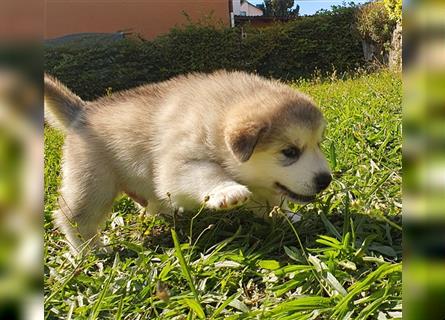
{"points": [[68, 20], [248, 9], [21, 20], [245, 8], [242, 8], [244, 13], [149, 18]]}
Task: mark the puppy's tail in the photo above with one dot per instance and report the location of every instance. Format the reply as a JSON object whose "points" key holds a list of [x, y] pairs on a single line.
{"points": [[62, 106]]}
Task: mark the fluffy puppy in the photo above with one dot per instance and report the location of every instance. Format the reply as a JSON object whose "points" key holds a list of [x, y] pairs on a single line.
{"points": [[227, 139]]}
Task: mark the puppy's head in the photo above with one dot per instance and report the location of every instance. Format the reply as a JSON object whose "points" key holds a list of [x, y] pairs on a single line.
{"points": [[276, 143]]}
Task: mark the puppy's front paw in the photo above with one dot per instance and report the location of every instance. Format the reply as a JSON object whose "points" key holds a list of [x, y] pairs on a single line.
{"points": [[228, 197]]}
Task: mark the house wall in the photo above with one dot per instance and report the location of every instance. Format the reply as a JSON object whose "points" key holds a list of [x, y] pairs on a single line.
{"points": [[250, 9], [21, 20], [149, 18], [236, 5]]}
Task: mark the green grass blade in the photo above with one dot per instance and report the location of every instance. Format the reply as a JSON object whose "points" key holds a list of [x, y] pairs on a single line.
{"points": [[373, 306], [119, 308], [289, 285], [378, 185], [305, 303], [184, 267], [96, 307], [196, 307], [269, 264], [121, 303], [67, 280], [329, 226], [382, 271], [333, 156], [224, 305]]}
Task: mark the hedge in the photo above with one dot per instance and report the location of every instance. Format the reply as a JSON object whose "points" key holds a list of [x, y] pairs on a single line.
{"points": [[290, 50]]}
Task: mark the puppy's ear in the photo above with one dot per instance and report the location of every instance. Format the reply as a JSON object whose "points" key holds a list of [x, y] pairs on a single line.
{"points": [[242, 139]]}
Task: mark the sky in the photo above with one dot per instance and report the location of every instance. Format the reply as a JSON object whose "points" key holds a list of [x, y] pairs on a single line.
{"points": [[312, 6]]}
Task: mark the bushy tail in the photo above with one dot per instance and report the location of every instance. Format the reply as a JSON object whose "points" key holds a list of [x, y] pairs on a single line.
{"points": [[61, 105]]}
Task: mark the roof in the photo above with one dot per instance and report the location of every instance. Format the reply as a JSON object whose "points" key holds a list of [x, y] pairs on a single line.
{"points": [[250, 4]]}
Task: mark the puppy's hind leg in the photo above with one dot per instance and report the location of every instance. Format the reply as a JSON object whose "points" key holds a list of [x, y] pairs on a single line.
{"points": [[86, 197]]}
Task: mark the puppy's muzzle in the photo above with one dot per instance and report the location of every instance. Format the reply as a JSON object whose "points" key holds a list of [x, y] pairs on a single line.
{"points": [[322, 181]]}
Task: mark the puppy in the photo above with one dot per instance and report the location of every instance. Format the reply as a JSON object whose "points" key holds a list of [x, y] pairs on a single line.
{"points": [[224, 139]]}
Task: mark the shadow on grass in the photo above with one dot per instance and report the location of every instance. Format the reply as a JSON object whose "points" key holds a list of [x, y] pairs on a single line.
{"points": [[266, 237]]}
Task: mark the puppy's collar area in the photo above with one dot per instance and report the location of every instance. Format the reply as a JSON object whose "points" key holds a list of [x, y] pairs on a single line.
{"points": [[294, 196]]}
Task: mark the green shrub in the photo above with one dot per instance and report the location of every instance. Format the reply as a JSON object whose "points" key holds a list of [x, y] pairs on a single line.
{"points": [[293, 50], [91, 71], [375, 25], [297, 49], [394, 8]]}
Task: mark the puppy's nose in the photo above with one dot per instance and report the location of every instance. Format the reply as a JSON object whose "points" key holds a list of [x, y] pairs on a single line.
{"points": [[322, 181]]}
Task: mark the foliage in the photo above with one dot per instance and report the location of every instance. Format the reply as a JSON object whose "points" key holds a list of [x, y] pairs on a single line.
{"points": [[341, 261], [288, 51], [280, 8], [296, 11], [297, 49], [375, 25], [394, 8]]}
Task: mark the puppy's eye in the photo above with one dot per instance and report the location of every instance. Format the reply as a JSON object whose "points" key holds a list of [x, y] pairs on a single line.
{"points": [[291, 152]]}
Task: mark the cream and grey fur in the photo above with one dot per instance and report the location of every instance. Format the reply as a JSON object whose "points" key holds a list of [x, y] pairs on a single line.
{"points": [[224, 139]]}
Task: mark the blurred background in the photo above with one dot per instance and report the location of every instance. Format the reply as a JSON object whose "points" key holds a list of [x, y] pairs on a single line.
{"points": [[424, 160], [21, 159]]}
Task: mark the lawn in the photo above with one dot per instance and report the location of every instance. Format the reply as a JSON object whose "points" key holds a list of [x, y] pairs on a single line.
{"points": [[342, 260]]}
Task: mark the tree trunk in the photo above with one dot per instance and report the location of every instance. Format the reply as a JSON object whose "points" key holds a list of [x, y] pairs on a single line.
{"points": [[395, 52]]}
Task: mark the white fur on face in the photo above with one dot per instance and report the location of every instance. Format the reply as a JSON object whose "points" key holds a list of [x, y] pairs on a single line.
{"points": [[267, 167]]}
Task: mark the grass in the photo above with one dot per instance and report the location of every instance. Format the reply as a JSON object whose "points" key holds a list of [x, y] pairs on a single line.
{"points": [[341, 261]]}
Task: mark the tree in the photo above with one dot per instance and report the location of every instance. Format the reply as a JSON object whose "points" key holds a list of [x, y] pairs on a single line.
{"points": [[394, 8], [296, 11], [280, 8], [266, 8]]}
